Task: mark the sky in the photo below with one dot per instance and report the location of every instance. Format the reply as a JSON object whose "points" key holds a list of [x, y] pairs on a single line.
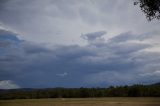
{"points": [[76, 43]]}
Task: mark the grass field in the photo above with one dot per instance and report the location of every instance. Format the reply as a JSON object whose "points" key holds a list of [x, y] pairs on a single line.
{"points": [[111, 101]]}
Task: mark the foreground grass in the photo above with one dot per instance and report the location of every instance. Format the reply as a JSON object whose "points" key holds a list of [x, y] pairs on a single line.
{"points": [[110, 101]]}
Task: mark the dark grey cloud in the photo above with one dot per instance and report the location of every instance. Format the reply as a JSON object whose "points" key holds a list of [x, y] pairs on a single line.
{"points": [[103, 63], [93, 36], [2, 3]]}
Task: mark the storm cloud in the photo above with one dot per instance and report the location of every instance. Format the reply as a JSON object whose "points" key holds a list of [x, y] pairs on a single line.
{"points": [[108, 63], [73, 43]]}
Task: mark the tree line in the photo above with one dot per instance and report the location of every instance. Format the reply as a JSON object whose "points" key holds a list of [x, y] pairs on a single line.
{"points": [[118, 91]]}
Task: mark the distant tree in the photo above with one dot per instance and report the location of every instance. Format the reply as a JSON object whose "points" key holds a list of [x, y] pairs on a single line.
{"points": [[118, 91], [151, 8]]}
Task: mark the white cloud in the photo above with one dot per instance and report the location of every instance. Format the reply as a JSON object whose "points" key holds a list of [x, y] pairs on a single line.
{"points": [[8, 84], [62, 74]]}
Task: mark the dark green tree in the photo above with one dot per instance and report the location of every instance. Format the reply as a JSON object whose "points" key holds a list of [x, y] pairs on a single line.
{"points": [[151, 8]]}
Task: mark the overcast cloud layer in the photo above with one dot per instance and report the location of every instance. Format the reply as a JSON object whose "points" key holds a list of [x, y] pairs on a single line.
{"points": [[73, 43]]}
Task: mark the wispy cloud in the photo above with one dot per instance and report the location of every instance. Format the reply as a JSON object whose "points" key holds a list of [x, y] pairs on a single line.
{"points": [[62, 22]]}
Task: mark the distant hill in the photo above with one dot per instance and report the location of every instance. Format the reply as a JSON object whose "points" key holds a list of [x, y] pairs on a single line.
{"points": [[138, 90], [158, 84]]}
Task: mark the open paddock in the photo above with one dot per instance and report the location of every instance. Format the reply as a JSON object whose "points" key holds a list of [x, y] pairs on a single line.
{"points": [[110, 101]]}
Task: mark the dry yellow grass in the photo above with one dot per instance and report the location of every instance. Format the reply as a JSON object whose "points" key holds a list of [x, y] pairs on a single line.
{"points": [[111, 101]]}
